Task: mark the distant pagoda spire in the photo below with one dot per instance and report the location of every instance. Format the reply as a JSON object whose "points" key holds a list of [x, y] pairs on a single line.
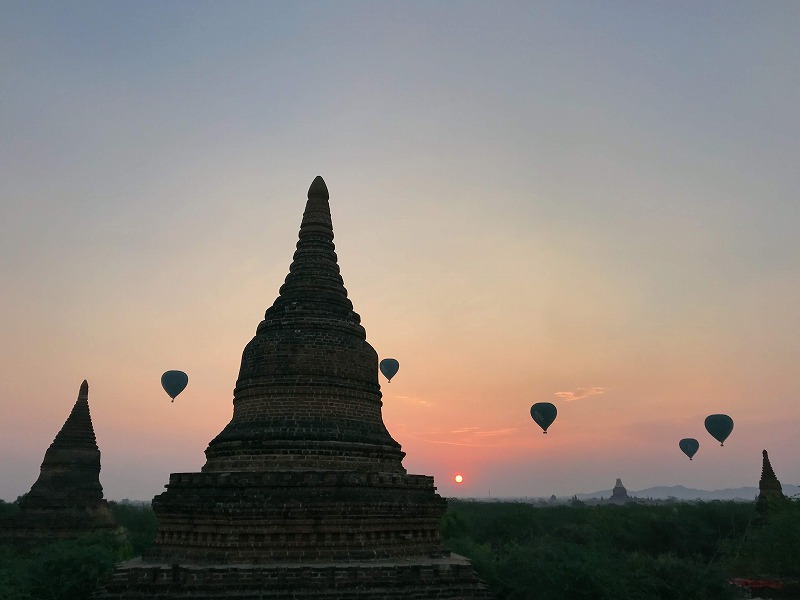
{"points": [[307, 395], [769, 488], [619, 495], [67, 498], [769, 481]]}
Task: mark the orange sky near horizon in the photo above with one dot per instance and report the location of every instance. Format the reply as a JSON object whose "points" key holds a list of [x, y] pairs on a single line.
{"points": [[460, 402]]}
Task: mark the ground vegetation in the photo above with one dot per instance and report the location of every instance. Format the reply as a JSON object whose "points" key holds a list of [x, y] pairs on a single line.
{"points": [[678, 551], [522, 551]]}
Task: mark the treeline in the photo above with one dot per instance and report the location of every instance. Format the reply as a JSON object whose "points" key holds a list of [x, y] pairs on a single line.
{"points": [[73, 569], [679, 551]]}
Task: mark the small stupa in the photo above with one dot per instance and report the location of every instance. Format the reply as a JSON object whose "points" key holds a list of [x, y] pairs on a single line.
{"points": [[619, 495], [769, 488], [303, 493], [66, 500]]}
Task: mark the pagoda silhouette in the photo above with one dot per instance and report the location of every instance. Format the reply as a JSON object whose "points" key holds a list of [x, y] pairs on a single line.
{"points": [[303, 494], [66, 501], [619, 495], [770, 491]]}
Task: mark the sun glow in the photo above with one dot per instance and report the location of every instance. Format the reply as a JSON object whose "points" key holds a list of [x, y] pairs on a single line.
{"points": [[459, 478]]}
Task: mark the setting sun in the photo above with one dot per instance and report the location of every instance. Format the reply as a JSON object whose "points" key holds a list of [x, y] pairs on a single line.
{"points": [[459, 478]]}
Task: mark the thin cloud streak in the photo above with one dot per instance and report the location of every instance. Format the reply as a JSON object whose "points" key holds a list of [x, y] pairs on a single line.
{"points": [[413, 437], [505, 445], [412, 400], [470, 431], [580, 393], [497, 432]]}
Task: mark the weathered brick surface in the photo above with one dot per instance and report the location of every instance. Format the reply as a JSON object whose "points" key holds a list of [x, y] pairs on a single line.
{"points": [[449, 578], [278, 516], [303, 494]]}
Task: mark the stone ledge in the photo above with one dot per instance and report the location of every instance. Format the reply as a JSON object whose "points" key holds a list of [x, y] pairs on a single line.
{"points": [[295, 479], [415, 578]]}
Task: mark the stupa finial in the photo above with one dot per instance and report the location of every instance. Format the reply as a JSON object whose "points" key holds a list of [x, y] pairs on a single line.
{"points": [[314, 282], [318, 189]]}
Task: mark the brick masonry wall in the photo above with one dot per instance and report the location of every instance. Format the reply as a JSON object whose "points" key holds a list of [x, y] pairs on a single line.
{"points": [[443, 579], [271, 517]]}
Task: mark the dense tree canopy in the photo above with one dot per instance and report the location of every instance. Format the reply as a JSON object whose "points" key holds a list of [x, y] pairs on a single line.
{"points": [[675, 551], [72, 569], [672, 551]]}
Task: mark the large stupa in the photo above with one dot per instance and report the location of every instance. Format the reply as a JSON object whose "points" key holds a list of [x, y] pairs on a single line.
{"points": [[66, 501], [303, 494]]}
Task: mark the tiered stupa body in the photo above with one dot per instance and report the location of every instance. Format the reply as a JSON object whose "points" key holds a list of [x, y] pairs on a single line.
{"points": [[67, 498], [769, 488], [619, 495], [303, 494]]}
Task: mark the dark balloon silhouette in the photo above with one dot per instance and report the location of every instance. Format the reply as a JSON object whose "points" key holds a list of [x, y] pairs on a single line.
{"points": [[720, 427], [389, 368], [690, 446], [174, 382], [544, 413]]}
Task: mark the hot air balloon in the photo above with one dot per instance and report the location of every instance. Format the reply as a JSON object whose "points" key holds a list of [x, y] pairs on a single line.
{"points": [[174, 382], [720, 427], [389, 368], [544, 413], [690, 446]]}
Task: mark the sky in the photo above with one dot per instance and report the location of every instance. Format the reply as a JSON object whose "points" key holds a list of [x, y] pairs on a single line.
{"points": [[589, 204]]}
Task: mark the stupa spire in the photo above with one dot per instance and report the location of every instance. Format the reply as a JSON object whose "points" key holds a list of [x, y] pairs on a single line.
{"points": [[318, 189], [70, 472], [769, 488], [67, 498], [307, 395], [767, 473], [77, 431], [314, 278]]}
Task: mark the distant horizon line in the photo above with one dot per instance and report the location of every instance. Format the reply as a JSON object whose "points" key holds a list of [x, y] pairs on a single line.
{"points": [[586, 495], [545, 497]]}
